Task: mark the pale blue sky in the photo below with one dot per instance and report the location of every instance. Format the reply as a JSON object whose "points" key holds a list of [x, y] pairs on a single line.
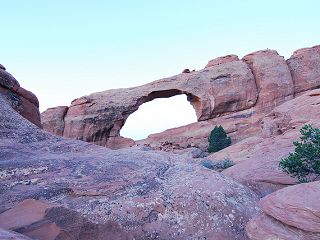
{"points": [[62, 50]]}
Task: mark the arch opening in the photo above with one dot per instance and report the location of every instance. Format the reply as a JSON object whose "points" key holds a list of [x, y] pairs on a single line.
{"points": [[158, 115]]}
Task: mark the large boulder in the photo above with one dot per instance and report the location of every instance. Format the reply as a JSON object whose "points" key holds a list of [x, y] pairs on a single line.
{"points": [[304, 65], [21, 100], [56, 188], [273, 78], [290, 213]]}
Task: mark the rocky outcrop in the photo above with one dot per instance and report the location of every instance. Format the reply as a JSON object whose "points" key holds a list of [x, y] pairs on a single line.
{"points": [[22, 100], [294, 217], [231, 92], [53, 120], [57, 188], [304, 65]]}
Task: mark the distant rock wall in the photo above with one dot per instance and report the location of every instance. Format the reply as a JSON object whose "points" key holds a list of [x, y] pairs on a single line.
{"points": [[21, 100], [227, 88]]}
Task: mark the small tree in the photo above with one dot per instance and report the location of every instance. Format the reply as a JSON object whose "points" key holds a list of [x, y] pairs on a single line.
{"points": [[218, 139], [304, 163]]}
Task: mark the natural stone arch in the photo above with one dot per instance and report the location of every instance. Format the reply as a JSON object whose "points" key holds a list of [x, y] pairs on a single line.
{"points": [[194, 100], [160, 105], [213, 91]]}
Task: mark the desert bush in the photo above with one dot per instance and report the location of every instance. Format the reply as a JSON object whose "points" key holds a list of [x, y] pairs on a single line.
{"points": [[304, 162], [218, 139], [217, 165]]}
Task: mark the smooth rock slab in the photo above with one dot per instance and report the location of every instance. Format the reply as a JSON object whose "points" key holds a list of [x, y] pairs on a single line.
{"points": [[265, 227], [296, 206]]}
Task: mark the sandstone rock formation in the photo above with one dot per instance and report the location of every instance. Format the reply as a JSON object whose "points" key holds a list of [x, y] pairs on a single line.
{"points": [[22, 100], [294, 217], [231, 92], [275, 85], [304, 65], [213, 91], [273, 78], [56, 188]]}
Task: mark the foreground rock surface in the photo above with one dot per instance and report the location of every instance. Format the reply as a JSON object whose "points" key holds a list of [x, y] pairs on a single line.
{"points": [[54, 188], [290, 213], [10, 235]]}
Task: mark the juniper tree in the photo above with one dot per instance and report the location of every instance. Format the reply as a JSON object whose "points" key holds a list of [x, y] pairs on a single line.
{"points": [[304, 162], [218, 139]]}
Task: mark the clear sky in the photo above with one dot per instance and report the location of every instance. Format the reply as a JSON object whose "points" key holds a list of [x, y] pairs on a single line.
{"points": [[62, 50]]}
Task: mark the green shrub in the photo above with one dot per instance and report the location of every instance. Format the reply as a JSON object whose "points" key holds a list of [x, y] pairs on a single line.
{"points": [[218, 139], [304, 163]]}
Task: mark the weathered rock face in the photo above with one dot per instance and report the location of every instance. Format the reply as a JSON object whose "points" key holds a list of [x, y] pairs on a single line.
{"points": [[56, 188], [53, 120], [226, 90], [294, 217], [304, 65], [22, 100]]}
